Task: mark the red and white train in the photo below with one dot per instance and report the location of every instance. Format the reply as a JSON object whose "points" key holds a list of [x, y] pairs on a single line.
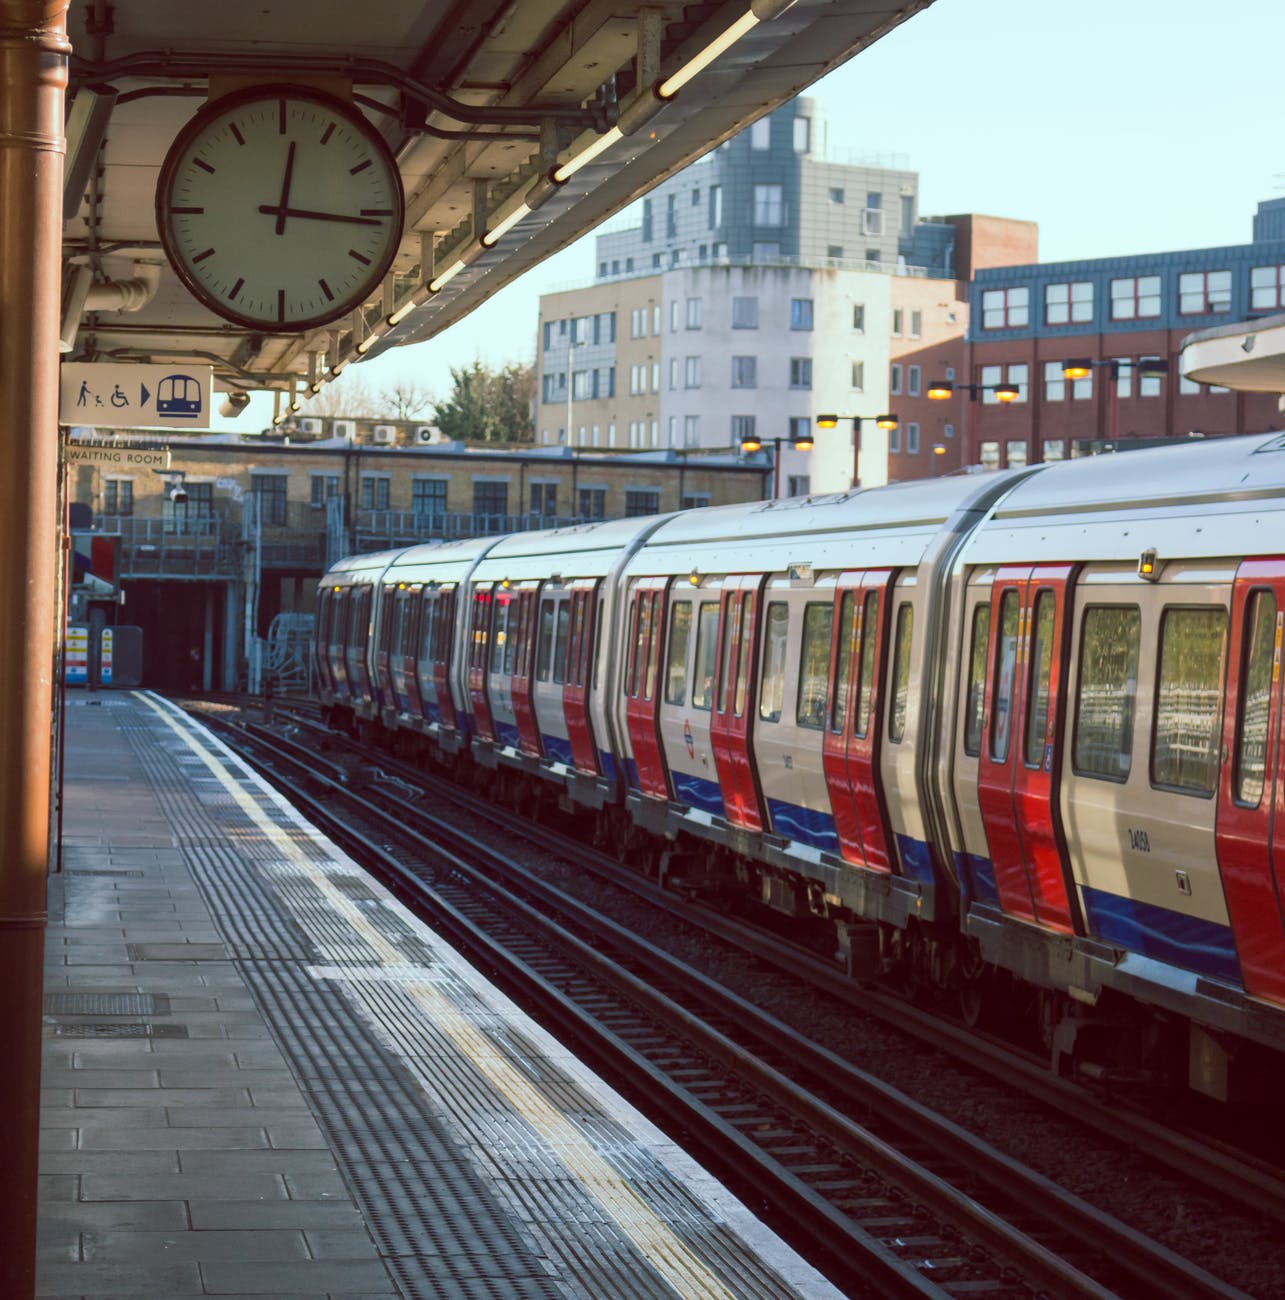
{"points": [[1015, 733]]}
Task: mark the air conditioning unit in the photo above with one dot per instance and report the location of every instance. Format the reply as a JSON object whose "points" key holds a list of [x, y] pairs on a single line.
{"points": [[424, 433], [384, 433], [343, 429], [309, 424]]}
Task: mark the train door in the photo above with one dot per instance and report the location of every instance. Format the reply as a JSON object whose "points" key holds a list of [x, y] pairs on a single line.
{"points": [[734, 690], [522, 630], [405, 642], [478, 644], [851, 749], [646, 622], [1020, 765], [436, 628], [1250, 825], [575, 693], [385, 695], [357, 644], [501, 663]]}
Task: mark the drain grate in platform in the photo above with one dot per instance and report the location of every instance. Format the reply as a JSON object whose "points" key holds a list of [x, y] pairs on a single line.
{"points": [[106, 1004], [101, 871], [121, 1029]]}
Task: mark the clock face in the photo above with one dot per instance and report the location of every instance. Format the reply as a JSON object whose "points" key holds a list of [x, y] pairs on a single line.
{"points": [[280, 208]]}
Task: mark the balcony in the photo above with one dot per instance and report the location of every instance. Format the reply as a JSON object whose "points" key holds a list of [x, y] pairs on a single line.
{"points": [[185, 548]]}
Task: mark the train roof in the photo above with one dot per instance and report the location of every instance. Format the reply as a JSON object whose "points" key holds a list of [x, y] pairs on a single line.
{"points": [[580, 550], [891, 525], [1205, 498]]}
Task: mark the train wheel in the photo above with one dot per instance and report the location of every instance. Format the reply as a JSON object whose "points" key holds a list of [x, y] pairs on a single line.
{"points": [[974, 989]]}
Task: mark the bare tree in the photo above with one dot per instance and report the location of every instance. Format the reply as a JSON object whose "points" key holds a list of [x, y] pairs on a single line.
{"points": [[404, 398], [348, 396]]}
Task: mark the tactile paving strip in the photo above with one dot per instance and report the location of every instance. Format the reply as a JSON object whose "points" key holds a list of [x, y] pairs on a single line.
{"points": [[482, 1167]]}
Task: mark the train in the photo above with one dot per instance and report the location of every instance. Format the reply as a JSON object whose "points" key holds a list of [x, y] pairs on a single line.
{"points": [[1011, 738]]}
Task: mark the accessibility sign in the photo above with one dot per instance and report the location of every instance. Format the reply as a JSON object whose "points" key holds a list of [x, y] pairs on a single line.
{"points": [[120, 395]]}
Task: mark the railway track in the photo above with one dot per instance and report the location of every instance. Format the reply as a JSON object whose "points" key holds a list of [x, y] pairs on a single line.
{"points": [[888, 1197]]}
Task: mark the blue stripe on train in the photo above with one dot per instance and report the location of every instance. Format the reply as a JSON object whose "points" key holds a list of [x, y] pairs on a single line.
{"points": [[697, 792], [804, 825], [558, 748], [1186, 941], [976, 879], [507, 734], [607, 764], [916, 861]]}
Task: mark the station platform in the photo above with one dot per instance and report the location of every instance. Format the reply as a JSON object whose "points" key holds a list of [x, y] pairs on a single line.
{"points": [[264, 1077]]}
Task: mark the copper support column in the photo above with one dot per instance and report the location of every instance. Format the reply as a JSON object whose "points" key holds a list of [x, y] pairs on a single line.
{"points": [[33, 84]]}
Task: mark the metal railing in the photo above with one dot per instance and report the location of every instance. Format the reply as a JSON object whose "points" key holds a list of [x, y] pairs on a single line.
{"points": [[155, 546], [383, 529]]}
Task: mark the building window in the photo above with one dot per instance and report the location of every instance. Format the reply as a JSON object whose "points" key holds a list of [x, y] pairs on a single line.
{"points": [[646, 221], [744, 372], [491, 499], [1054, 382], [671, 216], [582, 385], [894, 379], [693, 313], [914, 380], [592, 503], [374, 493], [834, 251], [580, 330], [894, 438], [324, 486], [769, 205], [765, 252], [1068, 303], [695, 500], [898, 322], [1265, 284], [745, 313], [548, 334], [1017, 375], [859, 317], [641, 501], [655, 376], [544, 500], [1016, 453], [916, 324], [742, 428], [761, 134], [428, 497], [673, 373], [1149, 385], [692, 373], [1054, 449], [912, 439], [1204, 293], [872, 217], [907, 213], [800, 310], [1004, 309], [798, 485], [836, 195], [800, 372], [696, 197], [674, 310], [118, 496], [715, 206], [691, 430], [800, 427], [1135, 297], [858, 376], [271, 491], [802, 134]]}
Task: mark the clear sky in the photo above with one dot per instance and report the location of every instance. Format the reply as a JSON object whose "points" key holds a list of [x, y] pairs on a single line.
{"points": [[1119, 126]]}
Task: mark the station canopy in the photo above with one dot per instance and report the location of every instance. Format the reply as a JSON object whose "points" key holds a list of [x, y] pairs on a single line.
{"points": [[517, 126]]}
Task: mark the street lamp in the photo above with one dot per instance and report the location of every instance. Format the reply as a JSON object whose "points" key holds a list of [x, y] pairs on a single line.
{"points": [[939, 449], [885, 421], [799, 442], [941, 390], [1146, 367]]}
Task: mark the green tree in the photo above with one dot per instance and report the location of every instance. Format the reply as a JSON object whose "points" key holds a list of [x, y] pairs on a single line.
{"points": [[488, 405]]}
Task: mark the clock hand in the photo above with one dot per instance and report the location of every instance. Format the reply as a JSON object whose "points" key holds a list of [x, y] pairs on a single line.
{"points": [[285, 191], [283, 212]]}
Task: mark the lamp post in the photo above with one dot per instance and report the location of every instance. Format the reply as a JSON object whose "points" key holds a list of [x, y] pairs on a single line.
{"points": [[885, 421], [753, 443], [942, 390], [1146, 367], [939, 449]]}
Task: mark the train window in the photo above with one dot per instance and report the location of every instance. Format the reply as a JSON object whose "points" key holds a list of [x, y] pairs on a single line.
{"points": [[706, 655], [653, 646], [772, 682], [680, 634], [731, 626], [544, 657], [445, 624], [847, 635], [428, 639], [975, 701], [901, 671], [814, 665], [869, 634], [499, 631], [743, 654], [597, 641], [575, 654], [1255, 697], [1005, 669], [560, 643], [1184, 744], [1037, 694], [1106, 693]]}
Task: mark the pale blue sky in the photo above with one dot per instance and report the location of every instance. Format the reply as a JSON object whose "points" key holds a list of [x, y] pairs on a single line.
{"points": [[1119, 126]]}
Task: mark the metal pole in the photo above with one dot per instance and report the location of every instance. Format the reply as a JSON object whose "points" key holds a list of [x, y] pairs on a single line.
{"points": [[776, 469], [856, 453], [33, 88]]}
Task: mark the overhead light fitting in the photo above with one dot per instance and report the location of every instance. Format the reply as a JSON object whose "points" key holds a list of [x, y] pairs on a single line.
{"points": [[501, 228]]}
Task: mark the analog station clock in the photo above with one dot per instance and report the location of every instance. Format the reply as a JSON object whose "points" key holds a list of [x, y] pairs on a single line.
{"points": [[280, 207]]}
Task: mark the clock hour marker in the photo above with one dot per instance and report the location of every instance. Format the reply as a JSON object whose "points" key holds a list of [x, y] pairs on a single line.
{"points": [[325, 288], [281, 305], [236, 288], [376, 212], [203, 165], [200, 257], [329, 131], [236, 133], [361, 167], [365, 261], [187, 212], [281, 116]]}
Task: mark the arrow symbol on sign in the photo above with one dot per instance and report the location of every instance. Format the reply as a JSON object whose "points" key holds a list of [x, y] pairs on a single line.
{"points": [[143, 394]]}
